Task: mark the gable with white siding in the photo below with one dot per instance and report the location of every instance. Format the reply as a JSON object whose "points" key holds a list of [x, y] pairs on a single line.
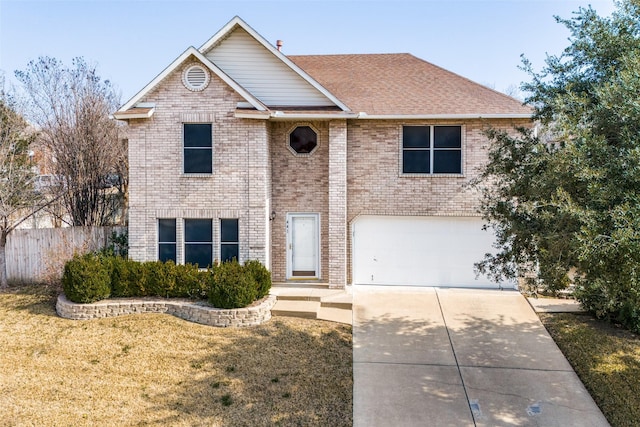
{"points": [[262, 74]]}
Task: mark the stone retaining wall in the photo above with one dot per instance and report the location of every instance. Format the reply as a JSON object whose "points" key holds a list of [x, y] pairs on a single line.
{"points": [[256, 314]]}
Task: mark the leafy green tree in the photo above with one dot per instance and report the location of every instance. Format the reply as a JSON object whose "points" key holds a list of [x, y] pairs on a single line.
{"points": [[566, 200], [18, 198]]}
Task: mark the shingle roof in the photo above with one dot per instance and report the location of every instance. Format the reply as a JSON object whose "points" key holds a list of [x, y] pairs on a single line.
{"points": [[401, 84]]}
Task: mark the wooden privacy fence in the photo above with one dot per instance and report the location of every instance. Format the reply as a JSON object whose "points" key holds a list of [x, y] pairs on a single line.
{"points": [[37, 255]]}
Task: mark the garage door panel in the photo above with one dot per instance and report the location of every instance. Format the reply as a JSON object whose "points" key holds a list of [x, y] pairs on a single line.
{"points": [[421, 251]]}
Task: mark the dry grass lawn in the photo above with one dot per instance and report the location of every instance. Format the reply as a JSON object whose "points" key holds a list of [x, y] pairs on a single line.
{"points": [[160, 370], [607, 360]]}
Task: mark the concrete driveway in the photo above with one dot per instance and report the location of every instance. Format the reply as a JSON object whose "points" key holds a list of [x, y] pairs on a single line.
{"points": [[459, 357]]}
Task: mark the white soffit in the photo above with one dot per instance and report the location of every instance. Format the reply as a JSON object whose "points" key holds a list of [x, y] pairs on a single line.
{"points": [[264, 71]]}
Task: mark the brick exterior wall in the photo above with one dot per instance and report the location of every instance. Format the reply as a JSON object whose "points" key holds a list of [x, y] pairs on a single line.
{"points": [[355, 170], [376, 185], [299, 184], [337, 203], [237, 188]]}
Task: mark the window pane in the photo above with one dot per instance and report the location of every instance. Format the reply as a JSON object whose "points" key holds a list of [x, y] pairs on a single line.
{"points": [[197, 160], [197, 135], [228, 252], [447, 137], [415, 136], [197, 230], [447, 161], [303, 139], [201, 254], [415, 161], [166, 230], [167, 252], [229, 230]]}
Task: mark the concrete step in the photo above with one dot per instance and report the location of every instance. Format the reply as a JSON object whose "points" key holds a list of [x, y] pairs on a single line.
{"points": [[296, 308], [313, 302], [338, 315], [341, 300]]}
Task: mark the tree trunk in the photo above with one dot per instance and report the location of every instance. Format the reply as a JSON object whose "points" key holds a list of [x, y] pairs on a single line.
{"points": [[4, 283]]}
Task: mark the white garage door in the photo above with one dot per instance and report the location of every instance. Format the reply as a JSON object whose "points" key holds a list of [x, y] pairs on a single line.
{"points": [[419, 251]]}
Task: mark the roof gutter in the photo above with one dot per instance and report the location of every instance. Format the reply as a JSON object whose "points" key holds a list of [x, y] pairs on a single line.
{"points": [[366, 116], [281, 115]]}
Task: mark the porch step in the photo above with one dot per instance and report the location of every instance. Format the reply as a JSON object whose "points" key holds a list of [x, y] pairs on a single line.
{"points": [[322, 303], [296, 308], [339, 315]]}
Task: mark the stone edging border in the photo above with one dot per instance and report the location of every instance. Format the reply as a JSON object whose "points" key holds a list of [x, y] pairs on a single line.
{"points": [[255, 314]]}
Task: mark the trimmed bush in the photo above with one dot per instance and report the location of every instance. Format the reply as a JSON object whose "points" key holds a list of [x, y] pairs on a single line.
{"points": [[87, 279], [160, 279], [261, 275], [128, 278], [232, 287], [191, 282]]}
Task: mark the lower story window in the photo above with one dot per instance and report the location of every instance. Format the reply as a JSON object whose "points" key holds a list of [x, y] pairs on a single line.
{"points": [[198, 242], [167, 240], [229, 242]]}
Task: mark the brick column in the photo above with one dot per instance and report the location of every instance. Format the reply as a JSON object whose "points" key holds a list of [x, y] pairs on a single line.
{"points": [[337, 203]]}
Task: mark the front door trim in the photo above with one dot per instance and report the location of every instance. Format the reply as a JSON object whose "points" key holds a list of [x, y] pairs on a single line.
{"points": [[313, 271]]}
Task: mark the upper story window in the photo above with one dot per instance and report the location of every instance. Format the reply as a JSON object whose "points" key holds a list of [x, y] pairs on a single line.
{"points": [[198, 148], [431, 149], [303, 140], [198, 242]]}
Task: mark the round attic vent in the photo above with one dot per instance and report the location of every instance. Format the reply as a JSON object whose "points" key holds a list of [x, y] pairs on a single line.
{"points": [[195, 78]]}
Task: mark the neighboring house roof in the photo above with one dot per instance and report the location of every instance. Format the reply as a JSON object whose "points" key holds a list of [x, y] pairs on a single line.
{"points": [[401, 84]]}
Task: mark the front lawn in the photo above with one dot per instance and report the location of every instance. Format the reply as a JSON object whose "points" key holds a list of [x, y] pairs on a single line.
{"points": [[155, 369], [607, 360]]}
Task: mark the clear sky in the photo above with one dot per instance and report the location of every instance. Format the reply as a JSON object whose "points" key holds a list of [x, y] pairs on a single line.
{"points": [[131, 41]]}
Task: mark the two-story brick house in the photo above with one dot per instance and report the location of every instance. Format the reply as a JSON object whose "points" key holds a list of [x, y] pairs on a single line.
{"points": [[338, 169]]}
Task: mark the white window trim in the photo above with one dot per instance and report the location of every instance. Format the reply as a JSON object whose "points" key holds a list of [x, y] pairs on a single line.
{"points": [[220, 242], [431, 149], [157, 257], [184, 241], [197, 174]]}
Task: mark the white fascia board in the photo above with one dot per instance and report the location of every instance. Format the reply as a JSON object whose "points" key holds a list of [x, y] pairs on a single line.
{"points": [[180, 60], [121, 115], [237, 21], [279, 115], [366, 116], [263, 115]]}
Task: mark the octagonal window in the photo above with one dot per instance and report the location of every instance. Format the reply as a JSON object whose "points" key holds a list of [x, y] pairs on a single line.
{"points": [[303, 140]]}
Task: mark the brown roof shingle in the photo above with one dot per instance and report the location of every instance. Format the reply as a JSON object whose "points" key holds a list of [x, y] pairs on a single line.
{"points": [[401, 84]]}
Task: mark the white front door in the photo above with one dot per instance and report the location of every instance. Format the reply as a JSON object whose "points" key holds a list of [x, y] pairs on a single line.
{"points": [[303, 246]]}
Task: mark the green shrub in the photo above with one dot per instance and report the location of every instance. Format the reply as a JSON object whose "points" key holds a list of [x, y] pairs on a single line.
{"points": [[160, 278], [231, 286], [190, 282], [128, 278], [87, 279], [261, 275], [612, 301]]}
